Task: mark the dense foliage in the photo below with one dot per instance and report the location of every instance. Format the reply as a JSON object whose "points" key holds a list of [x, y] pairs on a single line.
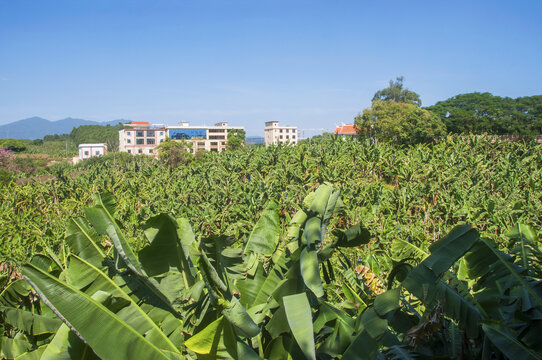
{"points": [[399, 122], [251, 270], [54, 148], [44, 157], [14, 165], [416, 192], [236, 139], [395, 115], [97, 134], [473, 113], [397, 93], [12, 145], [479, 113], [62, 146], [174, 153], [271, 294]]}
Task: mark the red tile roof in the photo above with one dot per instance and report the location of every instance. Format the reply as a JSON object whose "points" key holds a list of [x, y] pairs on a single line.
{"points": [[140, 123], [345, 130]]}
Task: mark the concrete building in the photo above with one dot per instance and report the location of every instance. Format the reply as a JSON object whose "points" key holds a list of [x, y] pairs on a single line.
{"points": [[275, 134], [208, 138], [140, 137], [87, 151]]}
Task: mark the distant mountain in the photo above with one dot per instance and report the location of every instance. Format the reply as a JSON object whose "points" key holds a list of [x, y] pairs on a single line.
{"points": [[36, 127]]}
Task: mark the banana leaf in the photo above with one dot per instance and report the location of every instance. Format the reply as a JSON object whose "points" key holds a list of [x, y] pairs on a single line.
{"points": [[299, 316], [90, 320]]}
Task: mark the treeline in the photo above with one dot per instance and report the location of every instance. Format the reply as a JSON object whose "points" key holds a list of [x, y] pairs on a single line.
{"points": [[90, 134], [479, 113], [65, 145], [396, 115]]}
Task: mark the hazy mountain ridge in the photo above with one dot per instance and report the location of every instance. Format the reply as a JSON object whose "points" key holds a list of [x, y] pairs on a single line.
{"points": [[37, 127]]}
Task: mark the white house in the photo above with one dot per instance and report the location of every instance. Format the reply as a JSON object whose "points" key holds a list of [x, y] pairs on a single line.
{"points": [[87, 151]]}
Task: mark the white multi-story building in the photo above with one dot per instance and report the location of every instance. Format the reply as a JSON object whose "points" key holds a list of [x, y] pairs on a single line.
{"points": [[87, 151], [275, 134], [140, 137], [208, 138]]}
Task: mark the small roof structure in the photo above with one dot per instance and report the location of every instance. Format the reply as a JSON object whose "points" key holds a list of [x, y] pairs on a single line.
{"points": [[93, 145], [345, 129], [139, 123]]}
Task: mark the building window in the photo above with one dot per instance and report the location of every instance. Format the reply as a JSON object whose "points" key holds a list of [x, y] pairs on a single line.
{"points": [[281, 136], [86, 153], [127, 133], [140, 133], [161, 133], [161, 140], [129, 151], [150, 133], [217, 137], [214, 143], [287, 136], [287, 131], [216, 130], [140, 141], [150, 142], [140, 151], [180, 133], [128, 141], [293, 136], [201, 144], [280, 131], [98, 152], [150, 151]]}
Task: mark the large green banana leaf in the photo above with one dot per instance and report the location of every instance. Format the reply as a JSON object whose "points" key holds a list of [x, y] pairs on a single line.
{"points": [[264, 237], [299, 316], [105, 332]]}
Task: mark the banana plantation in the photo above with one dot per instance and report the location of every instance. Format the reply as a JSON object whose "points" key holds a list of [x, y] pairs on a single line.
{"points": [[328, 250]]}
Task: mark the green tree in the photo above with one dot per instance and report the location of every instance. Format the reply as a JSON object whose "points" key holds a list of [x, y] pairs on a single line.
{"points": [[56, 137], [236, 139], [396, 92], [399, 122], [479, 113], [13, 145], [174, 152], [97, 134]]}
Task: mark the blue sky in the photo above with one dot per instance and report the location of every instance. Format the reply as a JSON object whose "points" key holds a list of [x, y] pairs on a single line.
{"points": [[313, 64]]}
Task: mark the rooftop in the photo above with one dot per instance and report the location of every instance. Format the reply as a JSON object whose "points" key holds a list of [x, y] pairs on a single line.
{"points": [[92, 145], [143, 125], [345, 129]]}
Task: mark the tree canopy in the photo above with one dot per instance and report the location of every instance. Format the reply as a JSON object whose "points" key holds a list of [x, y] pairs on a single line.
{"points": [[97, 134], [13, 145], [236, 138], [396, 92], [62, 144], [479, 113], [399, 122], [173, 152]]}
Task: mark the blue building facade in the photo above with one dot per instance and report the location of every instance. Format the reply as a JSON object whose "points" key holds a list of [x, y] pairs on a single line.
{"points": [[187, 134]]}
